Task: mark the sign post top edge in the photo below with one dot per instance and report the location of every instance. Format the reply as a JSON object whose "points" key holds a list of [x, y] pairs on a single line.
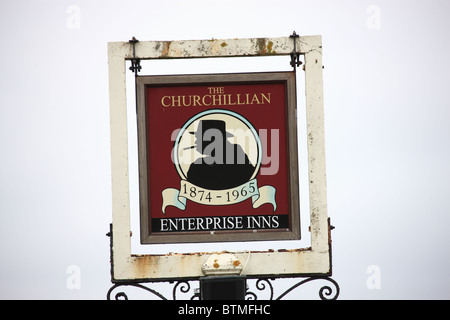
{"points": [[184, 49]]}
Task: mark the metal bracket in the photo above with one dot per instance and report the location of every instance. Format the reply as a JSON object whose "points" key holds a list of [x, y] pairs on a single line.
{"points": [[135, 63], [222, 264], [295, 56]]}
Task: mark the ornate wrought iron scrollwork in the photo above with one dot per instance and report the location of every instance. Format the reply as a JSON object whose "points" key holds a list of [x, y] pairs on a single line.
{"points": [[184, 287], [325, 292], [261, 286], [179, 287], [123, 296]]}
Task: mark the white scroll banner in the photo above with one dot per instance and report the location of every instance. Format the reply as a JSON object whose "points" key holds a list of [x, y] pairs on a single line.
{"points": [[177, 198]]}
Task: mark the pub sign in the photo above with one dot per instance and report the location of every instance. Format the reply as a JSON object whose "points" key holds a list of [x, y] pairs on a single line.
{"points": [[218, 157]]}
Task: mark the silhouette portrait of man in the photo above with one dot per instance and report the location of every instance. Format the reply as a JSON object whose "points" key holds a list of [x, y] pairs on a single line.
{"points": [[223, 165]]}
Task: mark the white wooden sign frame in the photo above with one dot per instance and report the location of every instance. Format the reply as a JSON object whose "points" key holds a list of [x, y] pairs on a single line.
{"points": [[315, 260]]}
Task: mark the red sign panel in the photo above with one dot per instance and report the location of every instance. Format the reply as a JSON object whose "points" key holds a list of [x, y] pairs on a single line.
{"points": [[216, 158]]}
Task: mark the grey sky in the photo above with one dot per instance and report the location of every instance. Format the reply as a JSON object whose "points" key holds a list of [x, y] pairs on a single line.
{"points": [[387, 127]]}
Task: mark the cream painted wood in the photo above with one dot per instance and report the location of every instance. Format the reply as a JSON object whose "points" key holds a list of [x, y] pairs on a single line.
{"points": [[314, 260]]}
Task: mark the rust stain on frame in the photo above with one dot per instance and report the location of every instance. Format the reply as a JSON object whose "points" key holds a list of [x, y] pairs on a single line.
{"points": [[261, 44], [166, 49]]}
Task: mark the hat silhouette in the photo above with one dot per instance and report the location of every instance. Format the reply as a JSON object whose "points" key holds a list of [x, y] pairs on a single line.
{"points": [[205, 125]]}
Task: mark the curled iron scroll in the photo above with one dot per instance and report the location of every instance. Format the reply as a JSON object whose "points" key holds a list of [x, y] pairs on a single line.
{"points": [[325, 292], [123, 296]]}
